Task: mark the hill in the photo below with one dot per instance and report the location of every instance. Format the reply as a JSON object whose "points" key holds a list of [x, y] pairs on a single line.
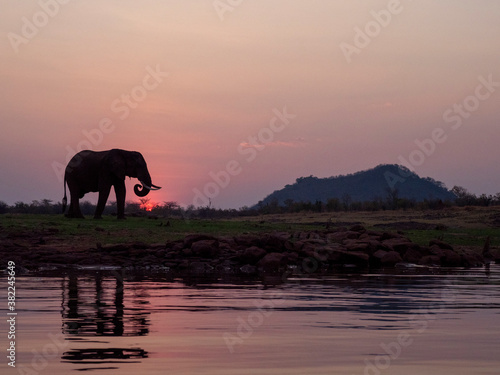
{"points": [[386, 181]]}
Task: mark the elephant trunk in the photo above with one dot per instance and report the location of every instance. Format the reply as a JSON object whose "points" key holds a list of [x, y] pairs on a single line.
{"points": [[141, 190]]}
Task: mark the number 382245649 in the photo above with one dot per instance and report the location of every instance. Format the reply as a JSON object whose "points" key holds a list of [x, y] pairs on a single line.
{"points": [[11, 290]]}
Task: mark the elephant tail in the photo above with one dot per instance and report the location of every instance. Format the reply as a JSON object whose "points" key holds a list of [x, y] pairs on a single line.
{"points": [[65, 200]]}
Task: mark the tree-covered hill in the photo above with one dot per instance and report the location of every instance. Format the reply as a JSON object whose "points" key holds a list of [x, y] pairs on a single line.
{"points": [[384, 182]]}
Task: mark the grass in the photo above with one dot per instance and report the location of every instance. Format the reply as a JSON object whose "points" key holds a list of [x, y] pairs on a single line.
{"points": [[26, 228], [469, 226], [458, 226]]}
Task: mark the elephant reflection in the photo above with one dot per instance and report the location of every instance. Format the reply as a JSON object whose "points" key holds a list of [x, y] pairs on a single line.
{"points": [[97, 307], [91, 171]]}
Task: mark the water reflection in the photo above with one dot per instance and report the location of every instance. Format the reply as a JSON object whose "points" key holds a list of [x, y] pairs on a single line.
{"points": [[95, 306], [127, 323], [107, 355]]}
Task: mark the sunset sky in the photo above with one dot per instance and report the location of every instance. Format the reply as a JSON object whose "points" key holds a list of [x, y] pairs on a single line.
{"points": [[271, 89]]}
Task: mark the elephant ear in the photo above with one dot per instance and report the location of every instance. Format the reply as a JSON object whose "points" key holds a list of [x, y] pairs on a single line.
{"points": [[114, 164]]}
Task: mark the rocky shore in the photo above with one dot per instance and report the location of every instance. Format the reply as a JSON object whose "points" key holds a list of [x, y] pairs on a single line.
{"points": [[305, 251]]}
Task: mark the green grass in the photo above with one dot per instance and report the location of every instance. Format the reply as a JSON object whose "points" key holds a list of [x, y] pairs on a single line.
{"points": [[464, 228], [108, 230], [457, 236]]}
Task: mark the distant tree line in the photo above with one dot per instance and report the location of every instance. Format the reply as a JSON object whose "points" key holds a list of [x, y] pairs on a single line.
{"points": [[391, 201]]}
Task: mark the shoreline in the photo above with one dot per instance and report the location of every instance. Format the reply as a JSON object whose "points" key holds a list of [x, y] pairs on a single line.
{"points": [[317, 251]]}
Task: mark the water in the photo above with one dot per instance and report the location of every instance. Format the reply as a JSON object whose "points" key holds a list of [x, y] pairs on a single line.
{"points": [[114, 322]]}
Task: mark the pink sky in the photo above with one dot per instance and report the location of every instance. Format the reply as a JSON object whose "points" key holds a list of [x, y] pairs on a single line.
{"points": [[222, 74]]}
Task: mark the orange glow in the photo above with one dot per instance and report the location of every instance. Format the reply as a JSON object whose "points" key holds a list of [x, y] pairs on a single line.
{"points": [[148, 205], [197, 95]]}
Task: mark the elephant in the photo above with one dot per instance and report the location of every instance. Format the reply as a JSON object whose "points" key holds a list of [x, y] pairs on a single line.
{"points": [[97, 171]]}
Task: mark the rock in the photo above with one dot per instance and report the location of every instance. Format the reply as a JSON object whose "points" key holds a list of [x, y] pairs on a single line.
{"points": [[451, 259], [390, 259], [187, 252], [341, 236], [356, 245], [205, 248], [440, 244], [275, 242], [352, 235], [248, 240], [289, 245], [338, 256], [157, 246], [430, 260], [192, 238], [291, 258], [357, 228], [412, 256], [371, 234], [307, 245], [379, 254], [314, 236], [161, 253], [272, 262], [472, 260], [228, 243], [301, 236], [140, 245], [175, 246], [436, 250], [115, 248], [356, 257], [310, 246], [248, 269], [138, 253], [447, 257], [376, 258], [227, 266], [200, 267], [252, 255], [399, 244], [387, 236], [336, 237]]}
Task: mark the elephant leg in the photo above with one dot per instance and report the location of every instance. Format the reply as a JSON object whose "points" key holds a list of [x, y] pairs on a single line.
{"points": [[101, 202], [74, 206], [120, 192]]}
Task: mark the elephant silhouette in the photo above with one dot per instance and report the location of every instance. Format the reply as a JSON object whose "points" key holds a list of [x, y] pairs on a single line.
{"points": [[96, 171]]}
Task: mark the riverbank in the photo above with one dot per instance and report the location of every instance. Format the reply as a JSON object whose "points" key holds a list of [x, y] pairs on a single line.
{"points": [[309, 243]]}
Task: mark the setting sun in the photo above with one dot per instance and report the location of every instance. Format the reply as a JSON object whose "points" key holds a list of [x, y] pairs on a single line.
{"points": [[147, 205]]}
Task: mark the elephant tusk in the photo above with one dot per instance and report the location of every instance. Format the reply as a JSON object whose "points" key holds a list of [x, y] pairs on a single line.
{"points": [[145, 186], [152, 187]]}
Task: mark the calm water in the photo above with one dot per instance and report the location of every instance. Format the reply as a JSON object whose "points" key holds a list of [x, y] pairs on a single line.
{"points": [[111, 322]]}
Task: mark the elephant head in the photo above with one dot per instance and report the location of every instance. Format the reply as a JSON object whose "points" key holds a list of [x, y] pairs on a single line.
{"points": [[131, 163]]}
